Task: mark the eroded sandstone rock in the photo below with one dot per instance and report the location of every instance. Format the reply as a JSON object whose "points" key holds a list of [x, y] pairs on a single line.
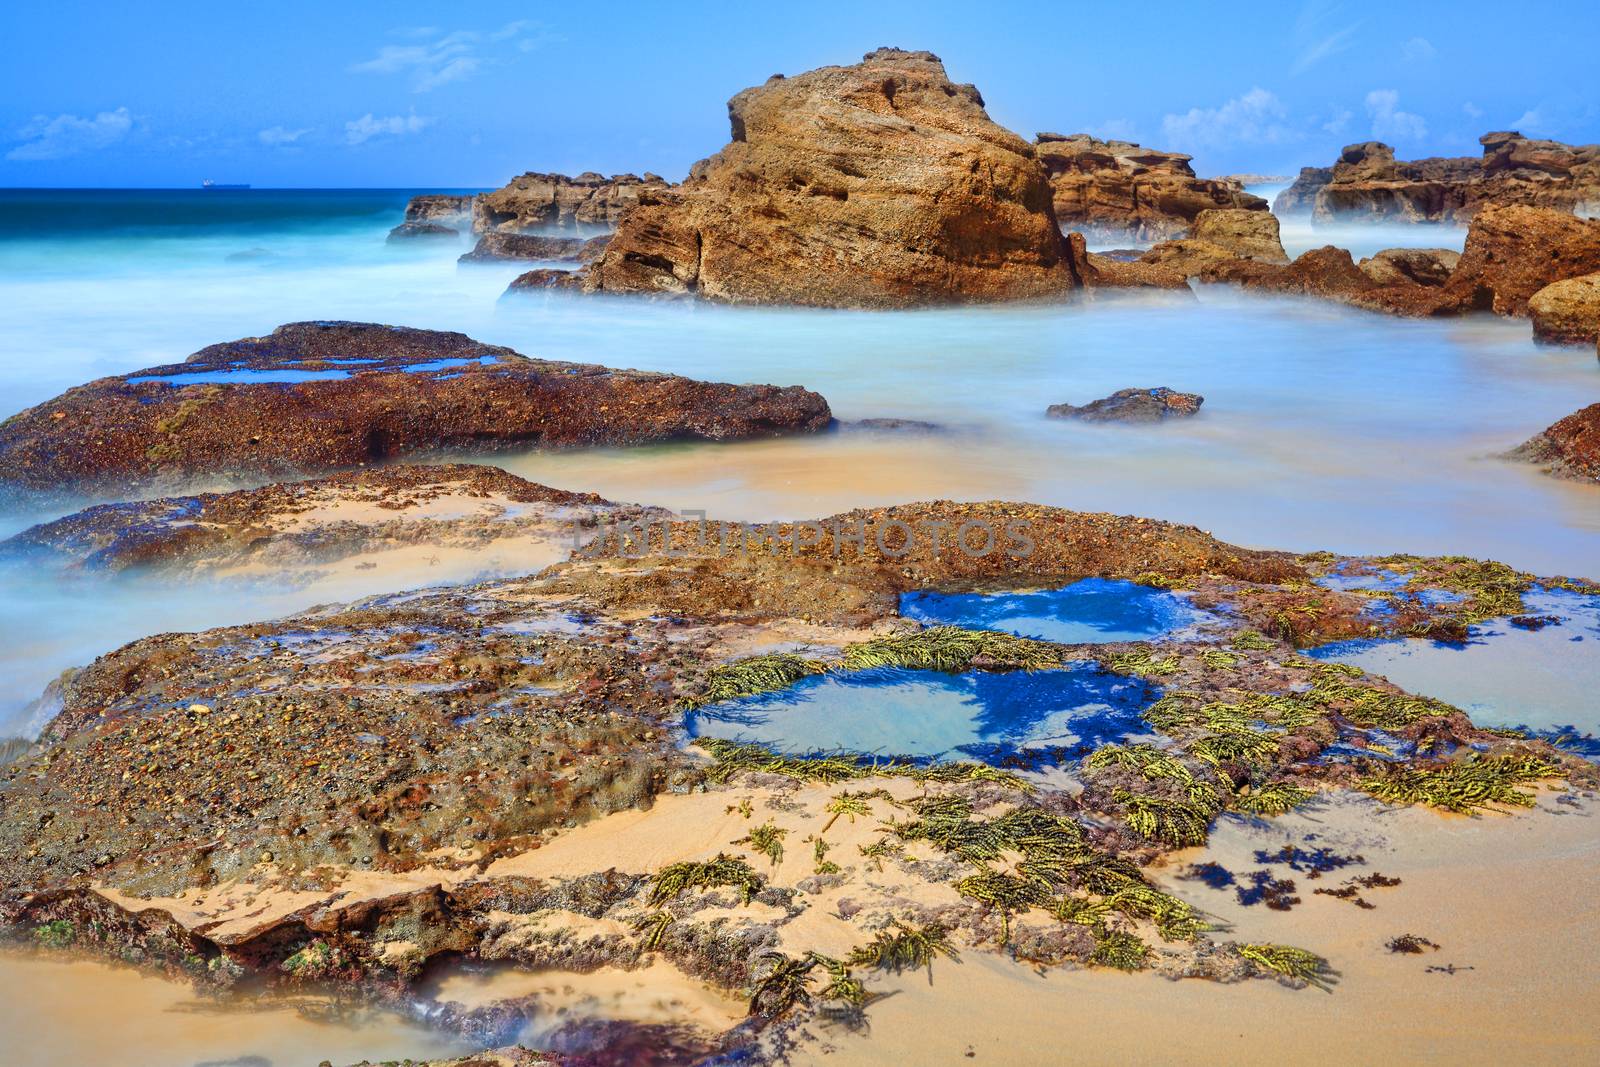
{"points": [[1513, 252], [1246, 233], [434, 215], [1115, 189], [881, 184], [314, 397], [1420, 266], [1567, 312], [495, 246], [1369, 183], [536, 202]]}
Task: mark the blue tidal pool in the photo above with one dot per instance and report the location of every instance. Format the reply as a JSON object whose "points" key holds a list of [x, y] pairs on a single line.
{"points": [[931, 716], [1085, 612], [1546, 678]]}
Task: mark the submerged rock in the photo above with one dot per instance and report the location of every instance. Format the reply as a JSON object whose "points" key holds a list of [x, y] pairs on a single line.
{"points": [[497, 247], [1569, 448], [409, 230], [289, 525], [1117, 188], [546, 278], [1132, 405], [1567, 312], [881, 184], [1369, 183], [314, 397]]}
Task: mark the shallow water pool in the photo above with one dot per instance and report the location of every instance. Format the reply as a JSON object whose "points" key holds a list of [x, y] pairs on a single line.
{"points": [[1087, 611]]}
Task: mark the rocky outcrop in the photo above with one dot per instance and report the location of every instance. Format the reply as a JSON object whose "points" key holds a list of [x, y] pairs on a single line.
{"points": [[1117, 189], [496, 247], [1513, 252], [1247, 234], [411, 230], [1369, 183], [1132, 405], [877, 185], [1570, 448], [539, 203], [1420, 266], [1567, 312], [315, 397], [546, 278], [434, 215], [294, 525]]}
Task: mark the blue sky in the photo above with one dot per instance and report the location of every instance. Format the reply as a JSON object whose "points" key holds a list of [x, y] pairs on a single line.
{"points": [[412, 94]]}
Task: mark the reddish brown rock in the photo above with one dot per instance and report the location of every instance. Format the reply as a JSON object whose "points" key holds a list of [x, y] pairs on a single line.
{"points": [[543, 202], [881, 184], [315, 397], [1513, 252], [1324, 272], [1116, 189], [546, 278], [411, 230], [1567, 312], [1570, 448], [1369, 183]]}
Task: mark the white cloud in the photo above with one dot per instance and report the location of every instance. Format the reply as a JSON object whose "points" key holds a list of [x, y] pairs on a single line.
{"points": [[1418, 50], [67, 135], [1115, 130], [1257, 117], [1317, 35], [278, 136], [1389, 123], [441, 57], [1531, 121], [369, 126], [1338, 123], [1473, 110]]}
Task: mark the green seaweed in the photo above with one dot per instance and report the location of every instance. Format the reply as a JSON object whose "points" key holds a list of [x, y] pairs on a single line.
{"points": [[1274, 798], [1120, 949], [1291, 962], [1477, 782], [654, 928], [904, 948], [725, 870], [1006, 893], [952, 649], [766, 839], [752, 676]]}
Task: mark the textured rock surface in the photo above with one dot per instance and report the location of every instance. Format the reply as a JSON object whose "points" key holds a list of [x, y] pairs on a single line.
{"points": [[375, 393], [1420, 266], [1368, 182], [1114, 189], [434, 214], [497, 247], [1513, 252], [881, 184], [1570, 448], [299, 524], [1247, 234], [1132, 405], [1567, 311], [535, 202], [410, 230]]}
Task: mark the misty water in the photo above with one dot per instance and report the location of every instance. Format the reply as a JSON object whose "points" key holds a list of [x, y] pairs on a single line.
{"points": [[1322, 428]]}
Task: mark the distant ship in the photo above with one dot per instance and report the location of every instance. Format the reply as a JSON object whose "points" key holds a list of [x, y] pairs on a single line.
{"points": [[209, 184]]}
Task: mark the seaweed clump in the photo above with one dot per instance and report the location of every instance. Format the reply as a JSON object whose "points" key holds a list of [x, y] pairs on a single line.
{"points": [[1291, 962], [752, 676], [904, 948], [1477, 782], [725, 870], [952, 649]]}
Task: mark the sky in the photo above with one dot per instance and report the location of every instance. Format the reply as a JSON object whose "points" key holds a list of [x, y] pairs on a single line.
{"points": [[409, 94]]}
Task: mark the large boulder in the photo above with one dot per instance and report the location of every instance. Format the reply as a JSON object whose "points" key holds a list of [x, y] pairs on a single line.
{"points": [[1246, 233], [1368, 182], [314, 397], [434, 215], [1569, 448], [1513, 252], [881, 184], [1567, 312], [1118, 189], [536, 202]]}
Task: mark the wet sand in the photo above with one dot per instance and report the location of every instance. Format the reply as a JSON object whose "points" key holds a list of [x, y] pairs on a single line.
{"points": [[1509, 896]]}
